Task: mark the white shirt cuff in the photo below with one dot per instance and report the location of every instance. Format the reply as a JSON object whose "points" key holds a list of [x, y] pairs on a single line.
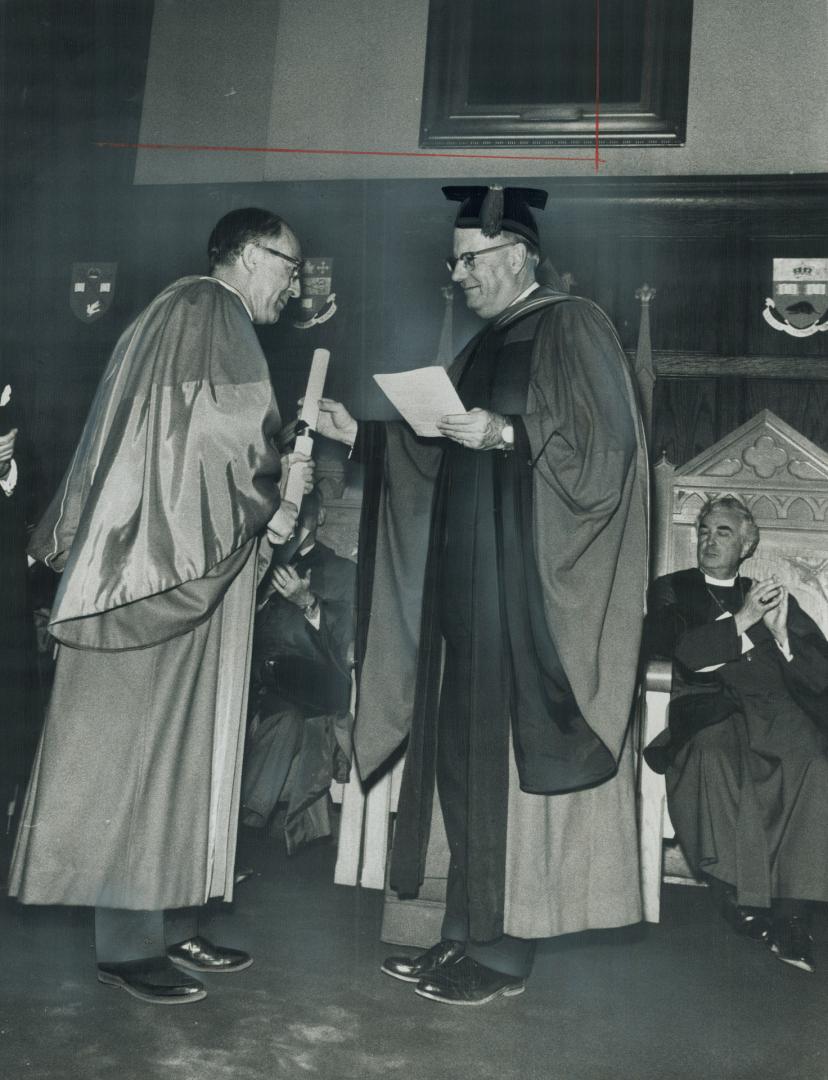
{"points": [[314, 616], [785, 649], [9, 482]]}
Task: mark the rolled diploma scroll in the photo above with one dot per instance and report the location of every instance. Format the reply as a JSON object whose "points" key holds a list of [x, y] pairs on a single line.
{"points": [[294, 487]]}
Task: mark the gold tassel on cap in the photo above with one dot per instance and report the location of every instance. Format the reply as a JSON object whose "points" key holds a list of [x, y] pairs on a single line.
{"points": [[491, 212]]}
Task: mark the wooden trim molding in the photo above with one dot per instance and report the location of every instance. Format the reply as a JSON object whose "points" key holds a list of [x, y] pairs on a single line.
{"points": [[699, 365]]}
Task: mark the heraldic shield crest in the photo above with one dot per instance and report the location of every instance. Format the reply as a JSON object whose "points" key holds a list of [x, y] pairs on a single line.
{"points": [[800, 296], [317, 302], [92, 289]]}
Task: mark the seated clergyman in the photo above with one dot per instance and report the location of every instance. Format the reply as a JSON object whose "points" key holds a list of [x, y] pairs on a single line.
{"points": [[745, 753]]}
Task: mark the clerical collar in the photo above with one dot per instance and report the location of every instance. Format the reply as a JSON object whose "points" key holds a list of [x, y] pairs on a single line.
{"points": [[235, 291], [726, 583]]}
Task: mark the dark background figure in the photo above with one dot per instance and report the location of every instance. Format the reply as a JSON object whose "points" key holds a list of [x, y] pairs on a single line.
{"points": [[20, 714], [300, 733], [745, 752]]}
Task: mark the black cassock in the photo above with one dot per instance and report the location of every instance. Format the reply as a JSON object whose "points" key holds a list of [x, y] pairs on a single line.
{"points": [[746, 753]]}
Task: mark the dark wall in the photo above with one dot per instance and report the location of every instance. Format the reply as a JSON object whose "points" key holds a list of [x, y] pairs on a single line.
{"points": [[73, 74]]}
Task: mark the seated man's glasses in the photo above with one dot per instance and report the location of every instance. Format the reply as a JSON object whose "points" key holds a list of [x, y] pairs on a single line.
{"points": [[468, 257], [295, 263]]}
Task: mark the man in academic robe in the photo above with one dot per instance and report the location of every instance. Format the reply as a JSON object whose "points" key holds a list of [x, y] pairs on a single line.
{"points": [[156, 528], [745, 752], [499, 612], [300, 733]]}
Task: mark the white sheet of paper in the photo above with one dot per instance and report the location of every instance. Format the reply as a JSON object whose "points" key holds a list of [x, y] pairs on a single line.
{"points": [[422, 397]]}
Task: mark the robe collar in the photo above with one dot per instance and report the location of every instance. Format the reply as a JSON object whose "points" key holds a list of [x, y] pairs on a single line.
{"points": [[235, 291]]}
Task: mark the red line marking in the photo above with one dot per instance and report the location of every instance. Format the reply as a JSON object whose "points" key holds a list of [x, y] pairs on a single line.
{"points": [[596, 158], [597, 82], [293, 150]]}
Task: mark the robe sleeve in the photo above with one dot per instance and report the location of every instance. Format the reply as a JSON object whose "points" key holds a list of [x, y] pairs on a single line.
{"points": [[579, 422], [175, 475], [589, 508]]}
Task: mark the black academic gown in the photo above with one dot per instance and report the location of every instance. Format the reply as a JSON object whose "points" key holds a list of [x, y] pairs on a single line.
{"points": [[514, 541]]}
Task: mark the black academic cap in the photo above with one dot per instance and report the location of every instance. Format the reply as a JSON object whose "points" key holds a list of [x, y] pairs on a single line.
{"points": [[493, 209]]}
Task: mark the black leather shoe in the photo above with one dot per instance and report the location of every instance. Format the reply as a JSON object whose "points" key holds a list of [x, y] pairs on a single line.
{"points": [[156, 980], [414, 968], [468, 983], [754, 923], [791, 942], [199, 954], [243, 873]]}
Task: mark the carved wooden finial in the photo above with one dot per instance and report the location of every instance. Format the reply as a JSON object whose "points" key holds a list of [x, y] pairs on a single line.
{"points": [[644, 371]]}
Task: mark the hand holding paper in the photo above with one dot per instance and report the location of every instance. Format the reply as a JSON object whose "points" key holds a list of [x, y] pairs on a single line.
{"points": [[422, 397]]}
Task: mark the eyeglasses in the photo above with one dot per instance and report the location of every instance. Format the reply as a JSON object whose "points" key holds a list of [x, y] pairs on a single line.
{"points": [[295, 263], [468, 257]]}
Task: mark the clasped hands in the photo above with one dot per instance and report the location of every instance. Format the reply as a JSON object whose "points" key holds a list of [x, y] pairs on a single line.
{"points": [[477, 429], [767, 600], [7, 450], [292, 586]]}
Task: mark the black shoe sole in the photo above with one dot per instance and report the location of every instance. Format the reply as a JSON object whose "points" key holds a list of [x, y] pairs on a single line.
{"points": [[503, 991], [402, 978], [793, 961], [199, 970], [119, 983]]}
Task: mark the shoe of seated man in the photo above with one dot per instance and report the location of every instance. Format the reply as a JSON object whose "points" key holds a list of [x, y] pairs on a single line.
{"points": [[468, 982], [413, 968], [791, 942], [754, 923]]}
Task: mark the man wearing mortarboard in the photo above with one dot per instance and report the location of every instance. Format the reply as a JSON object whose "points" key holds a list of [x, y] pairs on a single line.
{"points": [[501, 600]]}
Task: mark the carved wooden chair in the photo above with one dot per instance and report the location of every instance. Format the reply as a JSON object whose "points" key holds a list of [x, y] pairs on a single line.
{"points": [[783, 478]]}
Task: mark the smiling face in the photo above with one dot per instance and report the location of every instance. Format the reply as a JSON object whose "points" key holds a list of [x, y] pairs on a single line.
{"points": [[721, 544], [496, 277], [273, 280]]}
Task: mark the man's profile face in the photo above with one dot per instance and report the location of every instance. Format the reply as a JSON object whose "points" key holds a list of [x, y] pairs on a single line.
{"points": [[721, 546], [491, 284], [275, 279]]}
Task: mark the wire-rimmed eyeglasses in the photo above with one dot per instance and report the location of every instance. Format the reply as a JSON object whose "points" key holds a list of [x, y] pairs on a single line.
{"points": [[295, 263], [468, 257]]}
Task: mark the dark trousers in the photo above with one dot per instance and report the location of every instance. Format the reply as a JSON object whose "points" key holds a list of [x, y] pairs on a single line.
{"points": [[122, 935], [506, 954]]}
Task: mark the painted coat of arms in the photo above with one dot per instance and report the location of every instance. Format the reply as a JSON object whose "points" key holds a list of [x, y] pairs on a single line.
{"points": [[92, 289], [800, 296]]}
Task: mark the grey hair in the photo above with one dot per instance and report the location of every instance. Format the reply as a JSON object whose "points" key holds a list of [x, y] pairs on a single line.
{"points": [[532, 250], [749, 529]]}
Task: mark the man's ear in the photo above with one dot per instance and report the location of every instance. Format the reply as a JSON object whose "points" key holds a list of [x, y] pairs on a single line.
{"points": [[517, 257], [250, 255]]}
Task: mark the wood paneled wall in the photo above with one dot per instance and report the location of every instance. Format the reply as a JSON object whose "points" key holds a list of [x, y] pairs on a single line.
{"points": [[74, 77]]}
